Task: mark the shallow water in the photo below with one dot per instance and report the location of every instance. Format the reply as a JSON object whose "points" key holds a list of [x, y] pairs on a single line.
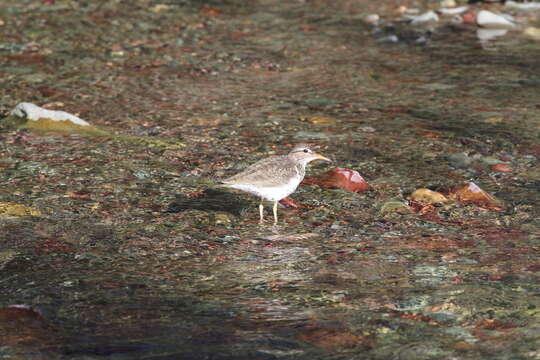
{"points": [[122, 252]]}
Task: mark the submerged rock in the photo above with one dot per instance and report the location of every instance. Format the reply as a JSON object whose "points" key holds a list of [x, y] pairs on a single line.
{"points": [[33, 117], [340, 178], [7, 257], [430, 16], [472, 193], [453, 10], [522, 6], [532, 32], [489, 34], [23, 325], [487, 19], [318, 120], [501, 167], [34, 113], [426, 196], [10, 209], [459, 160], [289, 203], [372, 19], [395, 206], [220, 218]]}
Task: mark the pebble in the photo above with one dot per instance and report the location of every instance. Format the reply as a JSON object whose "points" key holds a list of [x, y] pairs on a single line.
{"points": [[388, 39], [10, 209], [472, 193], [424, 18], [452, 10], [489, 160], [532, 32], [395, 206], [469, 17], [310, 135], [501, 167], [220, 219], [6, 257], [522, 6], [459, 160], [485, 35], [318, 120], [447, 3], [372, 19], [34, 113], [340, 178], [491, 20], [430, 274], [426, 196]]}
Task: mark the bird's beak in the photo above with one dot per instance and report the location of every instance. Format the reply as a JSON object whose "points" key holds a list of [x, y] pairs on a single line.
{"points": [[320, 157]]}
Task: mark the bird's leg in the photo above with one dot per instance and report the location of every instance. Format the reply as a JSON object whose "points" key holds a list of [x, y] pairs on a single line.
{"points": [[275, 213], [261, 212]]}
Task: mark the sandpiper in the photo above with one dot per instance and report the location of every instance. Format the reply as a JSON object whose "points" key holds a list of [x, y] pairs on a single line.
{"points": [[275, 177]]}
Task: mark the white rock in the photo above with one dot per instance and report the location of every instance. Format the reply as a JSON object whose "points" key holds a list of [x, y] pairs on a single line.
{"points": [[489, 34], [447, 3], [388, 39], [532, 32], [34, 113], [372, 19], [453, 11], [412, 11], [422, 18], [491, 20], [523, 6]]}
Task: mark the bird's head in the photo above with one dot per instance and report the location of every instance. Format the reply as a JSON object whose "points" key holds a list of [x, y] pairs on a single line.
{"points": [[303, 153]]}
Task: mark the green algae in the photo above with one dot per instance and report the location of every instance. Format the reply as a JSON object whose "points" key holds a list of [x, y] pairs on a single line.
{"points": [[47, 126], [44, 126], [151, 143]]}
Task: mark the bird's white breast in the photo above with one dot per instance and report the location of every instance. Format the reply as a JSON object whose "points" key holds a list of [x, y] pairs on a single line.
{"points": [[271, 193]]}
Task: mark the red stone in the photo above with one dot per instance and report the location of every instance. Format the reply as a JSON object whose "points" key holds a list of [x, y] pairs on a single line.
{"points": [[339, 178], [472, 193], [469, 17], [23, 324], [501, 168], [289, 203]]}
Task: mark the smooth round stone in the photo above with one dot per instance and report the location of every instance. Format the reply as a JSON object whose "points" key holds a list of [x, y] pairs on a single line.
{"points": [[426, 196], [394, 206], [459, 160]]}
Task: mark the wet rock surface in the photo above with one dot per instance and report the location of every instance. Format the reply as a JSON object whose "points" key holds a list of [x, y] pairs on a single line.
{"points": [[119, 246]]}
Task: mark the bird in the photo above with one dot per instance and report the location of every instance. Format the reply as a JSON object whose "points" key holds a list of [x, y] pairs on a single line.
{"points": [[274, 177]]}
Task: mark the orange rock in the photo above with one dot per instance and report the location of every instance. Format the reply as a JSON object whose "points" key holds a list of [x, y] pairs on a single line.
{"points": [[501, 168], [339, 178], [469, 17], [210, 11], [472, 193]]}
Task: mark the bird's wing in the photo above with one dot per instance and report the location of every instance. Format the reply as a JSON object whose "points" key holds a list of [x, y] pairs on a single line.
{"points": [[258, 173]]}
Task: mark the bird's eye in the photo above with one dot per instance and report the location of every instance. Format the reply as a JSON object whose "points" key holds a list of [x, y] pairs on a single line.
{"points": [[306, 150]]}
